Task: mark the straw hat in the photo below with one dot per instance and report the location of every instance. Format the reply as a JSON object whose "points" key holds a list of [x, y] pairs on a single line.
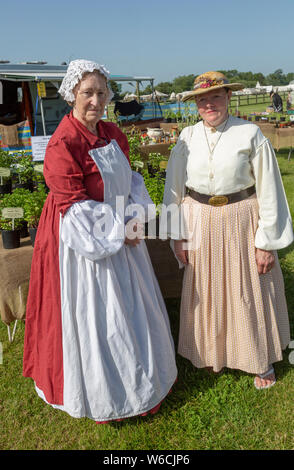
{"points": [[209, 81]]}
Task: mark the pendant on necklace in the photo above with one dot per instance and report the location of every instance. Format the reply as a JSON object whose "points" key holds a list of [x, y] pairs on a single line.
{"points": [[212, 146]]}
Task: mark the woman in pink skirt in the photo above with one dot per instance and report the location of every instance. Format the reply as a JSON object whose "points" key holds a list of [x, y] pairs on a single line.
{"points": [[224, 177]]}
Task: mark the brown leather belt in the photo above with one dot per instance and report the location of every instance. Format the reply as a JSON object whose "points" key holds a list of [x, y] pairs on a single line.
{"points": [[221, 200]]}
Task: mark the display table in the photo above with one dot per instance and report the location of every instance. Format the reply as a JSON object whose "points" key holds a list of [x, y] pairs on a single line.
{"points": [[15, 268], [279, 137], [161, 148], [166, 267]]}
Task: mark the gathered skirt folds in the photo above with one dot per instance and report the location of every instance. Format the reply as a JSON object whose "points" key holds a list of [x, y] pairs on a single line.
{"points": [[118, 351], [230, 315]]}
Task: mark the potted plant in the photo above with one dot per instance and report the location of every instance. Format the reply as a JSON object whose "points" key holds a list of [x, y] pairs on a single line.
{"points": [[173, 117], [134, 152], [179, 116], [166, 116], [18, 199], [33, 207], [10, 226], [153, 163], [10, 233], [163, 167], [23, 171], [6, 161]]}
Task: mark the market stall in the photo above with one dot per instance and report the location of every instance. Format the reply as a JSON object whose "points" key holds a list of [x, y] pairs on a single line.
{"points": [[29, 92]]}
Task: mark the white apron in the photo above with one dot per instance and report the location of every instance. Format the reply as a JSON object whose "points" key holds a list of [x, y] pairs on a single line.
{"points": [[118, 352]]}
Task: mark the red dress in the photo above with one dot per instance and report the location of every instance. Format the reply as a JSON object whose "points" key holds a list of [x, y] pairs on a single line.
{"points": [[72, 176]]}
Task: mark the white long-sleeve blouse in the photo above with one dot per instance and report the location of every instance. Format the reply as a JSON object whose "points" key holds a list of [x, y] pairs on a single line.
{"points": [[232, 157]]}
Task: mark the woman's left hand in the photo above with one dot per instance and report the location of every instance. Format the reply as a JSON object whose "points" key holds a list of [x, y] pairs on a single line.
{"points": [[132, 242], [264, 260], [135, 231]]}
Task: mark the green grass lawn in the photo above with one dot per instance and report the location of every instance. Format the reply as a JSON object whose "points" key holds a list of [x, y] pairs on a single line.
{"points": [[203, 412]]}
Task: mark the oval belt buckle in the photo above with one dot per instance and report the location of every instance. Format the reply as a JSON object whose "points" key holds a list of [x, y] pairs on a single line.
{"points": [[218, 201]]}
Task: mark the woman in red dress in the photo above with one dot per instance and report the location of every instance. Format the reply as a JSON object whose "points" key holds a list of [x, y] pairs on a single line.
{"points": [[97, 337]]}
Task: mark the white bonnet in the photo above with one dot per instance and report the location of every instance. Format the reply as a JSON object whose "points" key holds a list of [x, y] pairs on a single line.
{"points": [[75, 71]]}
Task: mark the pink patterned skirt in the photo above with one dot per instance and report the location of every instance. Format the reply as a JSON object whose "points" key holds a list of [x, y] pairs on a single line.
{"points": [[230, 315]]}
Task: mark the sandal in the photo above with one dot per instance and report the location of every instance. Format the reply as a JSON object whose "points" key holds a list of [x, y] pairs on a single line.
{"points": [[264, 376]]}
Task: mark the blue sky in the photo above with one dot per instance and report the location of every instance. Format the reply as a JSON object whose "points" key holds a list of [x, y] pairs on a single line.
{"points": [[158, 38]]}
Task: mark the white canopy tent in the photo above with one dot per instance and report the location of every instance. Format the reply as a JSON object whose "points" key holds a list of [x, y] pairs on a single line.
{"points": [[181, 95], [264, 89], [145, 97], [154, 96], [130, 97]]}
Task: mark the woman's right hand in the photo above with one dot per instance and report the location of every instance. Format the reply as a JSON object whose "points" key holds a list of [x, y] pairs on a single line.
{"points": [[180, 251], [264, 260]]}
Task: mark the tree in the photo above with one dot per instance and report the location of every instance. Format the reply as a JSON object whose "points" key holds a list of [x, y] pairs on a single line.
{"points": [[147, 91], [259, 77], [179, 84], [290, 77], [248, 79], [116, 88], [230, 74], [183, 83], [276, 78], [165, 87]]}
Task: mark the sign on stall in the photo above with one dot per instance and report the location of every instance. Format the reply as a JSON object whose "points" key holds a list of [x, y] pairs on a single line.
{"points": [[39, 145], [39, 168], [41, 89], [12, 212], [4, 172]]}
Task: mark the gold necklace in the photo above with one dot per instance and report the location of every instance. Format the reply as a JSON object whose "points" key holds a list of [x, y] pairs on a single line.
{"points": [[221, 133]]}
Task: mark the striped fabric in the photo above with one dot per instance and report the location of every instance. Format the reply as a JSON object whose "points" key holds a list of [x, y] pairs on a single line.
{"points": [[153, 110], [24, 136], [183, 108], [230, 315]]}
